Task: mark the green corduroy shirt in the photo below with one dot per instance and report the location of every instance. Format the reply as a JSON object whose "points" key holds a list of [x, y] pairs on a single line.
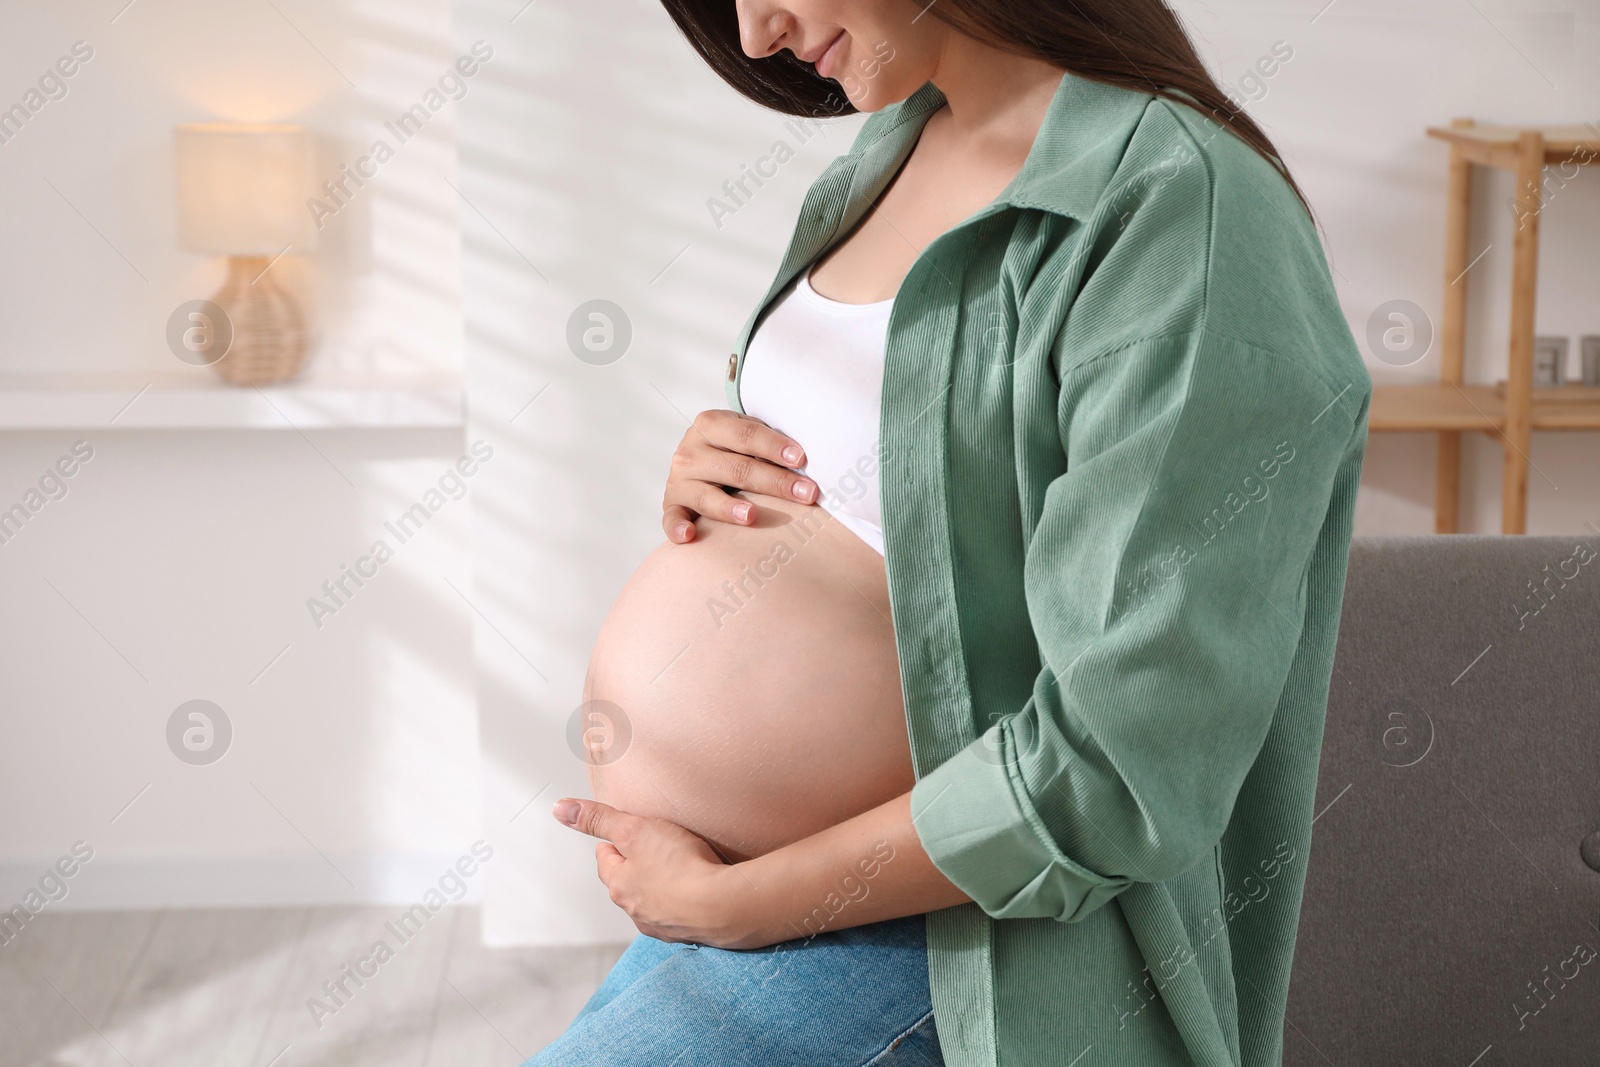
{"points": [[1123, 420]]}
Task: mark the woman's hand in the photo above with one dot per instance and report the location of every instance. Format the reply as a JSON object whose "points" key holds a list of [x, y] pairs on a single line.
{"points": [[670, 882], [725, 448], [674, 887]]}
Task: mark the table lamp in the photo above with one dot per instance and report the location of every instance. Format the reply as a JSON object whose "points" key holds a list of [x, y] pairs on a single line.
{"points": [[242, 189]]}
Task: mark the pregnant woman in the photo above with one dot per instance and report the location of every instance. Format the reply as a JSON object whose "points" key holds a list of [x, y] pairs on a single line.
{"points": [[971, 712]]}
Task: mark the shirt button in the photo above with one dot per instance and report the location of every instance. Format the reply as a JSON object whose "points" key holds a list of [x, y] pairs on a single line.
{"points": [[733, 365]]}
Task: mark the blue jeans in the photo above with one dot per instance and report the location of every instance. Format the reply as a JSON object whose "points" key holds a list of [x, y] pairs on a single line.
{"points": [[839, 999]]}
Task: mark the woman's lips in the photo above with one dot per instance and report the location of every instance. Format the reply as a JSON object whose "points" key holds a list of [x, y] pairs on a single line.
{"points": [[824, 64]]}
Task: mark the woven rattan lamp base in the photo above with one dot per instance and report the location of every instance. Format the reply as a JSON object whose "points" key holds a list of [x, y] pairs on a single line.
{"points": [[270, 340]]}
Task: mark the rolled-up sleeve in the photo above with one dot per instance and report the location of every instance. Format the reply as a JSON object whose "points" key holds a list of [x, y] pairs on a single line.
{"points": [[1165, 581]]}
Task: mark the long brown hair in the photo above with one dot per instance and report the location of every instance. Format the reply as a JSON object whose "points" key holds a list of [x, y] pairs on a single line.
{"points": [[1133, 44]]}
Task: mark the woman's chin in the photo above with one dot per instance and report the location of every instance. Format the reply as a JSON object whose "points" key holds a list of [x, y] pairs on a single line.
{"points": [[871, 96]]}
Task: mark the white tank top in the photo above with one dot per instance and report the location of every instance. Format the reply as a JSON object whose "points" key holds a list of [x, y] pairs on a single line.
{"points": [[814, 370]]}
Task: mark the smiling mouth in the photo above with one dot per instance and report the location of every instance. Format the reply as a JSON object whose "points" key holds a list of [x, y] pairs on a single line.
{"points": [[823, 64]]}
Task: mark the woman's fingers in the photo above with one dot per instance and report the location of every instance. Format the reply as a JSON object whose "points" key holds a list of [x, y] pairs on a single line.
{"points": [[606, 861], [697, 498], [745, 434], [756, 474], [608, 864], [598, 820], [678, 522], [726, 450]]}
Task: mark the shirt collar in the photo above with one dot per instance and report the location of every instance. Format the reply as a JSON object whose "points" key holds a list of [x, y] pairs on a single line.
{"points": [[1077, 150]]}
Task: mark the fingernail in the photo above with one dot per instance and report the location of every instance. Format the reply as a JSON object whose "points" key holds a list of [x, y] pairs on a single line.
{"points": [[792, 455], [681, 531], [741, 512], [566, 811], [802, 491]]}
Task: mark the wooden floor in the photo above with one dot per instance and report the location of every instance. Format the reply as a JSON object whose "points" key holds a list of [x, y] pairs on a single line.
{"points": [[229, 988]]}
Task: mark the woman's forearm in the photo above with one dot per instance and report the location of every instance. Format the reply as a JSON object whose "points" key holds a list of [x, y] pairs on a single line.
{"points": [[864, 870]]}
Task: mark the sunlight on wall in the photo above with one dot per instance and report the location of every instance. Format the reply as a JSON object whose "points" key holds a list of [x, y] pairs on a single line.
{"points": [[354, 760], [587, 166], [383, 283]]}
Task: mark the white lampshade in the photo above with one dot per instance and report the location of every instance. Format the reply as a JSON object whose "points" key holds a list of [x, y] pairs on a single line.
{"points": [[242, 187]]}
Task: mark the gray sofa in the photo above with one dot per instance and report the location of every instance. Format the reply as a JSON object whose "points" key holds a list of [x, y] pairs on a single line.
{"points": [[1453, 888]]}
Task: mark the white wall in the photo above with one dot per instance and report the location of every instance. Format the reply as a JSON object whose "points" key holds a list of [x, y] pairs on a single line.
{"points": [[590, 153], [179, 564], [92, 265], [177, 568]]}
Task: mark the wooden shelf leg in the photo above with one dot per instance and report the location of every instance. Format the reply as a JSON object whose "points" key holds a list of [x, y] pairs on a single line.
{"points": [[1447, 491], [1452, 331], [1519, 372]]}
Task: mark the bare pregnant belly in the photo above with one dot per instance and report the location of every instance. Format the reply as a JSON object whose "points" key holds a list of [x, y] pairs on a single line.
{"points": [[748, 683]]}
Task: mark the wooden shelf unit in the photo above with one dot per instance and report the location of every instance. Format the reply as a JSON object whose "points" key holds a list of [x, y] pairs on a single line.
{"points": [[1450, 408], [1453, 407]]}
